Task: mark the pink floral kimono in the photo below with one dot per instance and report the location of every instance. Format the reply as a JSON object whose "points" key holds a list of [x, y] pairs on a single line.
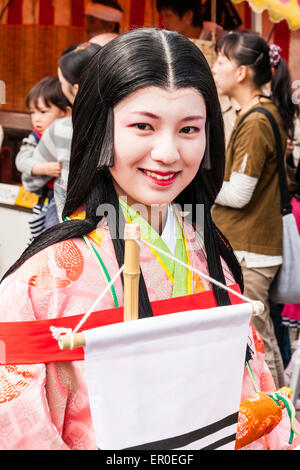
{"points": [[46, 406]]}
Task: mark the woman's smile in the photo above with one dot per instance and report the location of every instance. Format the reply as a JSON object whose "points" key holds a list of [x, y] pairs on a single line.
{"points": [[162, 178]]}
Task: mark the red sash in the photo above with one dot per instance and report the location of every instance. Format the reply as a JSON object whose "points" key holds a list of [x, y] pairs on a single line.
{"points": [[31, 342]]}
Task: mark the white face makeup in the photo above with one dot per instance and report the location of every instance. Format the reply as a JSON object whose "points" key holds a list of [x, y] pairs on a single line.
{"points": [[159, 142]]}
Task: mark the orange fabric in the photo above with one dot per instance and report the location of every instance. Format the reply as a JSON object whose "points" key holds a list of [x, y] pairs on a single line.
{"points": [[258, 416]]}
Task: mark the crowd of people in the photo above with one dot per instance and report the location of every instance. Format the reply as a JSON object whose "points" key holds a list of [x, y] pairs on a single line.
{"points": [[135, 118]]}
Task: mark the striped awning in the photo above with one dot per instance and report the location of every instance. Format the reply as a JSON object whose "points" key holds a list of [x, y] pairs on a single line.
{"points": [[137, 13], [288, 10], [33, 34]]}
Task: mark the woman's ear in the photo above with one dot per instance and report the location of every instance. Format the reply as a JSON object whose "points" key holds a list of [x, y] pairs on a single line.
{"points": [[68, 111], [75, 88], [242, 73], [188, 16]]}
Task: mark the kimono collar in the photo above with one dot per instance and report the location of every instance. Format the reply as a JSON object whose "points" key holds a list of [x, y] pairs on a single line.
{"points": [[179, 276]]}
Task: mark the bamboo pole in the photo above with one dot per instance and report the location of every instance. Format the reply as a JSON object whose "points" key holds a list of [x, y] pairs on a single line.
{"points": [[131, 275], [131, 271], [71, 341], [257, 308]]}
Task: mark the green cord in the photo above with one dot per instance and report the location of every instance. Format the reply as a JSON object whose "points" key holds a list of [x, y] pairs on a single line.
{"points": [[256, 389], [276, 397], [291, 412], [102, 267], [113, 292]]}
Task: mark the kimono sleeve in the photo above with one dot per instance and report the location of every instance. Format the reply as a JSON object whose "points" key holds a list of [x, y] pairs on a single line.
{"points": [[252, 145], [25, 420]]}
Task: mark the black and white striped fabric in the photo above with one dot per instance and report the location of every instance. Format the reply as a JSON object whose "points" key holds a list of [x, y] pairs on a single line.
{"points": [[169, 382], [37, 223]]}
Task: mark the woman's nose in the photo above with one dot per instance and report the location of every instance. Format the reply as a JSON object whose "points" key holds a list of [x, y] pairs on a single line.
{"points": [[165, 150]]}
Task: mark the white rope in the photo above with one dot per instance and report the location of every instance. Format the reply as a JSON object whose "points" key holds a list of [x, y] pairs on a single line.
{"points": [[85, 317], [57, 331], [213, 281]]}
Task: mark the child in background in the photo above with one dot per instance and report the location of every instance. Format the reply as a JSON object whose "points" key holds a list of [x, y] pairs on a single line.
{"points": [[55, 146], [46, 103]]}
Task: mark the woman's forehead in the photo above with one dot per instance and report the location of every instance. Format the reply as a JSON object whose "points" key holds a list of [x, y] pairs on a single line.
{"points": [[153, 96]]}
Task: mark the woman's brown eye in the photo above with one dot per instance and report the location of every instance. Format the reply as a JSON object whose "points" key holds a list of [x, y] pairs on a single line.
{"points": [[143, 126], [189, 129]]}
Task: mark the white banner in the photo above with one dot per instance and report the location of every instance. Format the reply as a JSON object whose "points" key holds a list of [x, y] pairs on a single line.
{"points": [[168, 382]]}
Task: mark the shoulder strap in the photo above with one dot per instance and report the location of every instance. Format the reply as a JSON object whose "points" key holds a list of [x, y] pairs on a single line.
{"points": [[286, 207]]}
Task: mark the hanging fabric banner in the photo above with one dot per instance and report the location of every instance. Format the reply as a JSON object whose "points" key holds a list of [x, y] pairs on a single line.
{"points": [[168, 382]]}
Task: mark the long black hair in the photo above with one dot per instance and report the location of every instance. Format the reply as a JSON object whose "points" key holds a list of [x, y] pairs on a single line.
{"points": [[252, 50], [133, 60]]}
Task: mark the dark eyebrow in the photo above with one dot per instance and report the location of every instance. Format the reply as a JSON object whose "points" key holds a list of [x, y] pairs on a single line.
{"points": [[146, 113], [193, 118], [153, 116]]}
